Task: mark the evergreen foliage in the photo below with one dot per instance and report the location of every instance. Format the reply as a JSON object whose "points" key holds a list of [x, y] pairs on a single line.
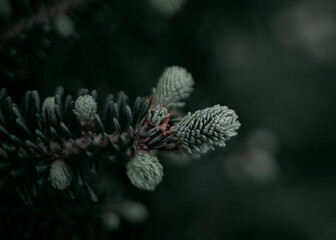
{"points": [[51, 140]]}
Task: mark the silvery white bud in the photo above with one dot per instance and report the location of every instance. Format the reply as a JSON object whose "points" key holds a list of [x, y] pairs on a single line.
{"points": [[60, 175], [174, 85], [85, 108], [157, 115], [49, 103], [201, 131], [145, 171]]}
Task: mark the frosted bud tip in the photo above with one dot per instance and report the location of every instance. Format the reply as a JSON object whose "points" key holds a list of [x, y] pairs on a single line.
{"points": [[85, 108], [145, 171]]}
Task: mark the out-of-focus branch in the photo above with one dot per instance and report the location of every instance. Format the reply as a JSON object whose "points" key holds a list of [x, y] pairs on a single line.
{"points": [[42, 16]]}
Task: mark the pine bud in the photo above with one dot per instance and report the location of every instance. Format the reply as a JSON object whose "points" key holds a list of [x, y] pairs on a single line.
{"points": [[201, 131], [157, 115], [85, 108], [49, 103], [60, 175], [145, 171], [174, 85]]}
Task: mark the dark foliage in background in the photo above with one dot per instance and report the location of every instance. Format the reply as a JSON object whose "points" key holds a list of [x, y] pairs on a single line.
{"points": [[271, 61]]}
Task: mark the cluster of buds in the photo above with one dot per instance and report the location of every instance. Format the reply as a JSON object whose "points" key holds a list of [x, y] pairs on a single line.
{"points": [[62, 133], [196, 133]]}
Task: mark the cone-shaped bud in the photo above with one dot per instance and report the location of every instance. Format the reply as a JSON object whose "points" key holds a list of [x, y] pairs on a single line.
{"points": [[145, 171], [85, 108], [174, 85], [49, 103], [201, 131], [157, 115], [60, 175]]}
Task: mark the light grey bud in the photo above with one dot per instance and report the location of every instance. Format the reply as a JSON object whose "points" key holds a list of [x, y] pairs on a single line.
{"points": [[174, 85], [60, 175], [145, 171], [157, 115], [201, 131], [49, 103], [85, 108]]}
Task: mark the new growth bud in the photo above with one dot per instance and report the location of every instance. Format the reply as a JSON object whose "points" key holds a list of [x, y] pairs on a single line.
{"points": [[85, 108], [174, 85], [157, 115], [60, 175], [201, 131], [49, 103], [145, 171]]}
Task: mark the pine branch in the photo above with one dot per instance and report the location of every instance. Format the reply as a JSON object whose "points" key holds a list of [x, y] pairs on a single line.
{"points": [[43, 141]]}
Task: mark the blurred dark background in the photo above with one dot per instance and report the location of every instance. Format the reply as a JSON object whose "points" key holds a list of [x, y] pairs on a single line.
{"points": [[272, 61]]}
